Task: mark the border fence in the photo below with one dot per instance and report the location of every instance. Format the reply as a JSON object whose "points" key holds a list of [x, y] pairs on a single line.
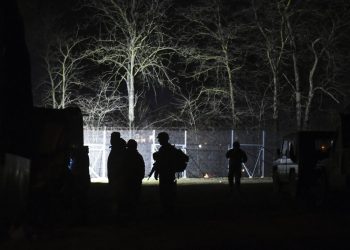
{"points": [[206, 150]]}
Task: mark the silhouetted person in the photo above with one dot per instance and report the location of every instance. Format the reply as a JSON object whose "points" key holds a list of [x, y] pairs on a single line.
{"points": [[236, 158], [80, 183], [115, 167], [134, 172], [163, 167], [115, 158]]}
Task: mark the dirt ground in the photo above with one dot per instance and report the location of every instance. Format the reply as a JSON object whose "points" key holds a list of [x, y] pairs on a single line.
{"points": [[206, 217]]}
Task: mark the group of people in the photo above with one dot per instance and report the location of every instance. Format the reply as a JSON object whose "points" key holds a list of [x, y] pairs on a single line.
{"points": [[126, 169]]}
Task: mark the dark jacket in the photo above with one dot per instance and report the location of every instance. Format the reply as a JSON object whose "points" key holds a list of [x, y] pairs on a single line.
{"points": [[236, 157], [164, 162], [134, 166], [115, 163]]}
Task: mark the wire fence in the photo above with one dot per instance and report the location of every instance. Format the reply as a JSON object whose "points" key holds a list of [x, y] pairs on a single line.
{"points": [[206, 150]]}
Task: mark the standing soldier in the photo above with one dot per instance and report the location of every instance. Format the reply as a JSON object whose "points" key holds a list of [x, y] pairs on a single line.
{"points": [[236, 158], [134, 172], [115, 168], [164, 168]]}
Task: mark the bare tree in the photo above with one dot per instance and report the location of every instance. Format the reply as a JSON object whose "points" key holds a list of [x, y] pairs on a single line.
{"points": [[198, 108], [132, 44], [271, 25], [63, 64], [213, 49], [101, 104], [310, 43]]}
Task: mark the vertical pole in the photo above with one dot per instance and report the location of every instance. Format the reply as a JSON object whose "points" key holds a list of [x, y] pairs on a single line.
{"points": [[132, 134], [263, 155], [185, 147], [153, 146], [232, 137], [232, 140], [104, 165]]}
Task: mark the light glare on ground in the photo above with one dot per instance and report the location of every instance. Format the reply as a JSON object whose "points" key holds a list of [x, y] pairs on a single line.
{"points": [[190, 181]]}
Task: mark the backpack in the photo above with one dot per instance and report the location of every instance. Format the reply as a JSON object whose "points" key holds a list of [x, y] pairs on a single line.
{"points": [[180, 160]]}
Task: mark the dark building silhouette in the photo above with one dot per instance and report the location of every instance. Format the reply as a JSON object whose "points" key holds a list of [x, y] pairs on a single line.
{"points": [[16, 99], [15, 116]]}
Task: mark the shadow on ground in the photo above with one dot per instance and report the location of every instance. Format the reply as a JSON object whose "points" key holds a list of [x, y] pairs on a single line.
{"points": [[206, 217]]}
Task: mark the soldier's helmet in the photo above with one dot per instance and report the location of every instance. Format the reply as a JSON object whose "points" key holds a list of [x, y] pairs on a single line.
{"points": [[131, 144], [115, 138], [236, 144], [163, 136]]}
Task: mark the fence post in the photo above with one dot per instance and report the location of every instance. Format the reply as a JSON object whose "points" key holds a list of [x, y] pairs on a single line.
{"points": [[185, 146], [263, 155], [153, 146], [232, 137], [104, 165]]}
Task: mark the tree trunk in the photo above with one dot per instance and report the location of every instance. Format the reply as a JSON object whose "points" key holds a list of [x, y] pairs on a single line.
{"points": [[131, 95], [53, 95], [307, 109], [232, 101], [298, 111], [309, 99], [275, 114], [297, 91], [64, 87], [275, 102], [231, 89], [311, 87]]}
